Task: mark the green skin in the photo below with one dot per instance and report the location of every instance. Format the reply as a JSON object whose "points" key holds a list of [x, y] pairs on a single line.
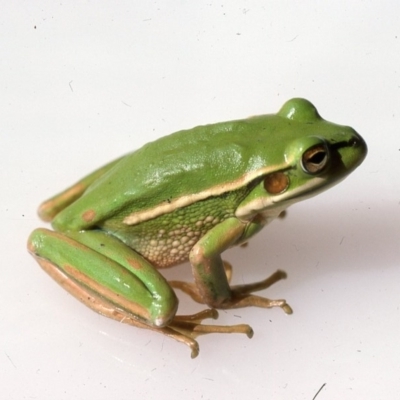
{"points": [[188, 196]]}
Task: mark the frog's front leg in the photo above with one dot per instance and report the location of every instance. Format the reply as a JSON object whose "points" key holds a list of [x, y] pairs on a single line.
{"points": [[212, 286], [115, 281]]}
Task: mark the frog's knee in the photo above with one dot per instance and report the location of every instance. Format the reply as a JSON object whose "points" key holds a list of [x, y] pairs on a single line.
{"points": [[35, 240], [164, 310]]}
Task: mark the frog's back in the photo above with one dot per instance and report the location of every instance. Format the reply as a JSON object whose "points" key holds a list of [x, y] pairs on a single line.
{"points": [[187, 166], [178, 165], [188, 162]]}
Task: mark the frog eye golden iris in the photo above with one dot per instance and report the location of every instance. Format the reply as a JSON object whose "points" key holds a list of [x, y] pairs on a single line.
{"points": [[315, 159]]}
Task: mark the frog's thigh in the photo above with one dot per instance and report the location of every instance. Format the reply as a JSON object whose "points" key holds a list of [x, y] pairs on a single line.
{"points": [[105, 274]]}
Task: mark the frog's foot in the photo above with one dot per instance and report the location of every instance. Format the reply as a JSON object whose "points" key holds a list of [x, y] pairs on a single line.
{"points": [[183, 328], [241, 295], [186, 328]]}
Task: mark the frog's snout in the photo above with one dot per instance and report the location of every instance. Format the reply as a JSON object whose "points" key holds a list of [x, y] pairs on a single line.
{"points": [[359, 147]]}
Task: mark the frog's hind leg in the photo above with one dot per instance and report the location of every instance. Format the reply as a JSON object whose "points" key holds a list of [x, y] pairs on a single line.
{"points": [[93, 262], [183, 329], [104, 307], [113, 280], [51, 207]]}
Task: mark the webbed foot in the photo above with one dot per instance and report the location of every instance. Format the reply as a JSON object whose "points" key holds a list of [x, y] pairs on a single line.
{"points": [[186, 328]]}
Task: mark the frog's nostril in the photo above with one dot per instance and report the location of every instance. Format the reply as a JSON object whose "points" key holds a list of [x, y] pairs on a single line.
{"points": [[354, 142]]}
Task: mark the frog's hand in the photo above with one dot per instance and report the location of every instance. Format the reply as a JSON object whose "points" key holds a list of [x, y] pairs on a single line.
{"points": [[241, 294], [51, 207], [212, 286]]}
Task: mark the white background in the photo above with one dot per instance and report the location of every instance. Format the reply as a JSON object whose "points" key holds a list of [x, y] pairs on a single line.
{"points": [[84, 82]]}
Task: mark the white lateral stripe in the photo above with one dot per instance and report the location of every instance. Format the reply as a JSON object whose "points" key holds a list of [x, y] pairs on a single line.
{"points": [[262, 203], [141, 216]]}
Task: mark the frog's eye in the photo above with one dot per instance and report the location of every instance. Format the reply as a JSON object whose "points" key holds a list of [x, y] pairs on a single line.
{"points": [[315, 159]]}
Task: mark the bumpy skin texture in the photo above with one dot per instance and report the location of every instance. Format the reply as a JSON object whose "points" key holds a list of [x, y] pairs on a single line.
{"points": [[168, 239], [190, 195]]}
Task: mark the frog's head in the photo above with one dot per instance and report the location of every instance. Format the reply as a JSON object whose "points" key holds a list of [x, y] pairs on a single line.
{"points": [[319, 156], [314, 155]]}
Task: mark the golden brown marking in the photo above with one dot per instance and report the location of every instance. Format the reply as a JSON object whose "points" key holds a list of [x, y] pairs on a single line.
{"points": [[50, 208], [31, 247], [134, 264], [109, 295], [89, 215]]}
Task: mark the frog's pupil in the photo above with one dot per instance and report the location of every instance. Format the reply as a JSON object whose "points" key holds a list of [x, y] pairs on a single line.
{"points": [[315, 159], [318, 158]]}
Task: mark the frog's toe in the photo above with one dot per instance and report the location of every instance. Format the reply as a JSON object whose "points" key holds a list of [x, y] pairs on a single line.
{"points": [[192, 324], [242, 295], [264, 284], [186, 328], [250, 300]]}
